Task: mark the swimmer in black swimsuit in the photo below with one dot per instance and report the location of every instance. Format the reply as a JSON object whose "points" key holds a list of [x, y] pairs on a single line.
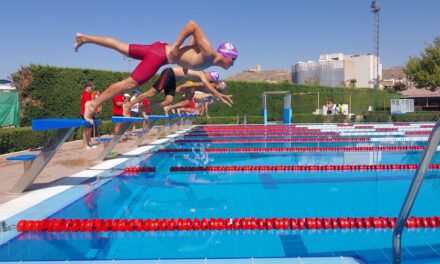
{"points": [[167, 84]]}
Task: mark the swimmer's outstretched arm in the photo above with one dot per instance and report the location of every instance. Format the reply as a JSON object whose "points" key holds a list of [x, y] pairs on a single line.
{"points": [[199, 39], [204, 83], [210, 88]]}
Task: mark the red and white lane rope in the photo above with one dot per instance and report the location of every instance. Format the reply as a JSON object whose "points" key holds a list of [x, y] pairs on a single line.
{"points": [[195, 224]]}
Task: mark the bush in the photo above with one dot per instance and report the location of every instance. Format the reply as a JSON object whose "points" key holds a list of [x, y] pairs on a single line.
{"points": [[17, 139], [54, 92], [416, 117], [377, 117]]}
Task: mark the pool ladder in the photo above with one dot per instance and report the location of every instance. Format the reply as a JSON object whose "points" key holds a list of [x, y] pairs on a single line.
{"points": [[414, 188]]}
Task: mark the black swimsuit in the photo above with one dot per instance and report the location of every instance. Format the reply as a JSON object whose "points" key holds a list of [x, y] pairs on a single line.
{"points": [[166, 82]]}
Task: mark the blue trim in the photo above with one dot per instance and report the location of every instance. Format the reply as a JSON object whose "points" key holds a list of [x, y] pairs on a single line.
{"points": [[174, 116], [23, 157], [104, 139], [287, 116], [121, 119], [56, 123], [264, 113]]}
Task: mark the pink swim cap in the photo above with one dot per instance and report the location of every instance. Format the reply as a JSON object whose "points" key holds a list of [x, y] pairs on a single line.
{"points": [[227, 49], [214, 76], [221, 86]]}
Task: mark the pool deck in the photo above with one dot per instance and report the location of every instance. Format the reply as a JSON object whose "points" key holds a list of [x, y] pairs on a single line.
{"points": [[70, 159]]}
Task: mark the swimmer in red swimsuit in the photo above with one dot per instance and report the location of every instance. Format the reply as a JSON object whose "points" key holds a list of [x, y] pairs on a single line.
{"points": [[190, 108], [197, 55]]}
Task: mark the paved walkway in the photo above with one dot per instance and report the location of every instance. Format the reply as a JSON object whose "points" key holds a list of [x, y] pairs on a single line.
{"points": [[71, 158]]}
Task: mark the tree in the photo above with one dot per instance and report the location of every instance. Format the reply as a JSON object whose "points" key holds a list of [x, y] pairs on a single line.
{"points": [[425, 71], [400, 86], [352, 83]]}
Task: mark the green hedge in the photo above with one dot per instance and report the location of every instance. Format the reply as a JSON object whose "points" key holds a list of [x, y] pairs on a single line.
{"points": [[377, 117], [55, 92], [409, 117], [17, 139], [416, 117], [47, 91]]}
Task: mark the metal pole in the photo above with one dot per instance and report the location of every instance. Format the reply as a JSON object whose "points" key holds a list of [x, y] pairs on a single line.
{"points": [[349, 106], [319, 107], [124, 128], [40, 162], [414, 188]]}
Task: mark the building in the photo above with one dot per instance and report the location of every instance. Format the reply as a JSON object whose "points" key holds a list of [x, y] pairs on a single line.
{"points": [[424, 99], [337, 70], [394, 76], [258, 75]]}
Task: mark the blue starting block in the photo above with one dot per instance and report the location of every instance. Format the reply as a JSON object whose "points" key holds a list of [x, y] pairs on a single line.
{"points": [[27, 159], [105, 141], [127, 124], [56, 123], [35, 164], [23, 157], [121, 119]]}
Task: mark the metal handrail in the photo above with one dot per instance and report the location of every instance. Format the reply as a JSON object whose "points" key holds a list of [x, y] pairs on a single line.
{"points": [[414, 188]]}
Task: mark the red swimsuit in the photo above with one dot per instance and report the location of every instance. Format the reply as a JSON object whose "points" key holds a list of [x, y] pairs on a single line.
{"points": [[153, 57]]}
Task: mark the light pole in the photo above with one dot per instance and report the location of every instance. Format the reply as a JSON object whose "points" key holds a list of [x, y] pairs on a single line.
{"points": [[129, 60], [375, 9]]}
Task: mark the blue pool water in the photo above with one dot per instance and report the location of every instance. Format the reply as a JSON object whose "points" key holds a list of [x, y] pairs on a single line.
{"points": [[166, 194]]}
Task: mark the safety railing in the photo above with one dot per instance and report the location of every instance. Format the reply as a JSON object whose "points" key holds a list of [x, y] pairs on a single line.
{"points": [[414, 188]]}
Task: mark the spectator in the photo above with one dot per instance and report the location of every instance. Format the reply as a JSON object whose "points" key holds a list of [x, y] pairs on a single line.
{"points": [[134, 110], [146, 113], [118, 102], [85, 97], [95, 130], [330, 107]]}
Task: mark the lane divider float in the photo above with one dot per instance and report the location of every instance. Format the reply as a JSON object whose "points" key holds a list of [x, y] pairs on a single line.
{"points": [[246, 223], [139, 169], [249, 168], [275, 140], [296, 149]]}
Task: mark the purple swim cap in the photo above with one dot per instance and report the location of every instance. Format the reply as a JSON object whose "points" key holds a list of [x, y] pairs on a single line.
{"points": [[214, 76], [221, 86], [227, 49]]}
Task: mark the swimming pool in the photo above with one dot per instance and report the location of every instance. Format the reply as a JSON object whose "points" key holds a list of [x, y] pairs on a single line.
{"points": [[263, 194]]}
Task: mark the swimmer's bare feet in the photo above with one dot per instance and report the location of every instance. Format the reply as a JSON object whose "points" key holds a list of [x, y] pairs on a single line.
{"points": [[166, 109], [89, 110], [79, 41]]}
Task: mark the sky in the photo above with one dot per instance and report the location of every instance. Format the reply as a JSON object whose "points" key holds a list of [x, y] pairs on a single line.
{"points": [[275, 34]]}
